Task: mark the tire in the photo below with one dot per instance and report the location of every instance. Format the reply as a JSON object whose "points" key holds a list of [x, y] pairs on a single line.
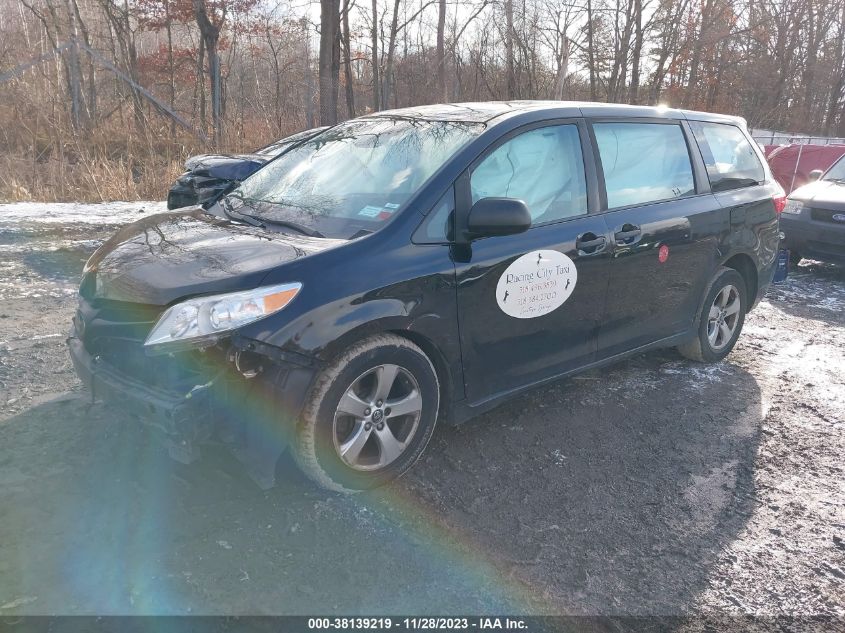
{"points": [[703, 348], [358, 376], [795, 258]]}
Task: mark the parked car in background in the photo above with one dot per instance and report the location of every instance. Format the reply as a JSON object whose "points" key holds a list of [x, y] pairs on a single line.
{"points": [[813, 220], [791, 165], [207, 177], [427, 264]]}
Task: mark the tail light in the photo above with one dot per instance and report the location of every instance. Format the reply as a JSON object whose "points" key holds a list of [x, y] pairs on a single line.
{"points": [[779, 199]]}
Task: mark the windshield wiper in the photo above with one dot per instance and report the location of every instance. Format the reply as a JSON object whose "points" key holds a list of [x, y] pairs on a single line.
{"points": [[235, 215], [305, 230], [263, 222]]}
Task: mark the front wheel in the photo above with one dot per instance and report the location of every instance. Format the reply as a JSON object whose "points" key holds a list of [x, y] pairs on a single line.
{"points": [[369, 416], [721, 319]]}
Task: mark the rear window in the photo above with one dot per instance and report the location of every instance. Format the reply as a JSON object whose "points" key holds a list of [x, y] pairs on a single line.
{"points": [[643, 162], [729, 156]]}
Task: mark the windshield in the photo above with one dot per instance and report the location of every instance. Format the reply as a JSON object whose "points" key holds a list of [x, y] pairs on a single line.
{"points": [[353, 177], [837, 172]]}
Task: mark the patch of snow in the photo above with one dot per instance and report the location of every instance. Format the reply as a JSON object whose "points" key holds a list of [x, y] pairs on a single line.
{"points": [[104, 213], [43, 246], [698, 374]]}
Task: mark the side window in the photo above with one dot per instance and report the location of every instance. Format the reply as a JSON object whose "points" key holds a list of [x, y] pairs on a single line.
{"points": [[437, 227], [542, 167], [730, 158], [643, 162]]}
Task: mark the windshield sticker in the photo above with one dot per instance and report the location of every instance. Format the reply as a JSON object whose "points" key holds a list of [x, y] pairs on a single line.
{"points": [[370, 211], [391, 205], [535, 284]]}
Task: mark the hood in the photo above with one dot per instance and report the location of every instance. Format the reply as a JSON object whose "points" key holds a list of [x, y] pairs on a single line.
{"points": [[169, 256], [226, 166], [822, 194]]}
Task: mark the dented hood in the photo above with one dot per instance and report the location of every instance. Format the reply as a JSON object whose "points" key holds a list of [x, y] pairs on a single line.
{"points": [[169, 256], [226, 166]]}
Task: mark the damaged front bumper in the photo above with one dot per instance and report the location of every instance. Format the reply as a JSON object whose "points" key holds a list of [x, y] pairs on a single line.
{"points": [[253, 412]]}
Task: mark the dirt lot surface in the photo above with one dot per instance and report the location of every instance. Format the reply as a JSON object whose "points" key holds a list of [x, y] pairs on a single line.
{"points": [[657, 486]]}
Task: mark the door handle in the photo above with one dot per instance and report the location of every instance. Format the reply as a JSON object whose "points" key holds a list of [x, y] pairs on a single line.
{"points": [[627, 234], [590, 243]]}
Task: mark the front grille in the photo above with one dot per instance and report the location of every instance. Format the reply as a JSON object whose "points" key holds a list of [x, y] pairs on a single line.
{"points": [[114, 332], [826, 215], [176, 373], [126, 311], [105, 319]]}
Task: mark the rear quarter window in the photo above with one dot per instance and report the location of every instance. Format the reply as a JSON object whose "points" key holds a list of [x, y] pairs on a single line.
{"points": [[730, 158], [643, 162]]}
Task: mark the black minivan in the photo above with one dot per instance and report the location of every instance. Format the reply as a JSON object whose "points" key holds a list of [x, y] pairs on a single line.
{"points": [[426, 264]]}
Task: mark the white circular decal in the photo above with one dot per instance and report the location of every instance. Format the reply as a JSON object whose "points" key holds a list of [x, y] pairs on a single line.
{"points": [[535, 284]]}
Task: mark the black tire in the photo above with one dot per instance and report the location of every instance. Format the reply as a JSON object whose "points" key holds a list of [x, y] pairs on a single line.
{"points": [[701, 348], [316, 448], [795, 258]]}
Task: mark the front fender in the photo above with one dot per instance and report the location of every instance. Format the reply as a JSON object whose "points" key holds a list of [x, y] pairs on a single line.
{"points": [[326, 330], [321, 334]]}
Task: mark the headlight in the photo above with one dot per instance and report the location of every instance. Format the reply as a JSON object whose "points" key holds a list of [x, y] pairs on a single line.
{"points": [[210, 315], [793, 207]]}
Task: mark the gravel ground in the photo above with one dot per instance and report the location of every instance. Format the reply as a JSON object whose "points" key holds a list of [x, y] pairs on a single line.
{"points": [[657, 486]]}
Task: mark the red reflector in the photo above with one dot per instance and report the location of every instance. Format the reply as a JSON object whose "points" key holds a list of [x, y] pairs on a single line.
{"points": [[780, 203]]}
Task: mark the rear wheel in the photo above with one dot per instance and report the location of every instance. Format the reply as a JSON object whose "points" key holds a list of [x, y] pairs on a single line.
{"points": [[721, 319], [369, 416]]}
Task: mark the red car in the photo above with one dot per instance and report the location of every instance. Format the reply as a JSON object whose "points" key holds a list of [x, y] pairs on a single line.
{"points": [[791, 164]]}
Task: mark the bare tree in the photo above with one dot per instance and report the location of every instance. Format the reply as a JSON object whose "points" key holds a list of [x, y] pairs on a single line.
{"points": [[210, 23], [329, 70]]}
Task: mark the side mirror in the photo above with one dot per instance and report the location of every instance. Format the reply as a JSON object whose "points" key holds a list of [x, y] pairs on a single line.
{"points": [[498, 216], [816, 174]]}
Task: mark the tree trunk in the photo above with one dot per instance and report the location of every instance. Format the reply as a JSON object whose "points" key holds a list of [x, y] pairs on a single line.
{"points": [[442, 94], [347, 67], [329, 60], [216, 88], [591, 57], [171, 71], [562, 67], [391, 50], [201, 85], [91, 104], [376, 100], [636, 54], [838, 84], [309, 77], [509, 57], [210, 32]]}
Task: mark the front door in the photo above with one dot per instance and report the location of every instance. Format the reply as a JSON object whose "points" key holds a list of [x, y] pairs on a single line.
{"points": [[529, 305]]}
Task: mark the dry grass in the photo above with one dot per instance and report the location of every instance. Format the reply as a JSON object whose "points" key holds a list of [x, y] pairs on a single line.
{"points": [[104, 164], [88, 179]]}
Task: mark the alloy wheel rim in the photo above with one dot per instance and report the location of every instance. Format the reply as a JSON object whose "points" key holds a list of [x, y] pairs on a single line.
{"points": [[377, 417], [723, 318]]}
